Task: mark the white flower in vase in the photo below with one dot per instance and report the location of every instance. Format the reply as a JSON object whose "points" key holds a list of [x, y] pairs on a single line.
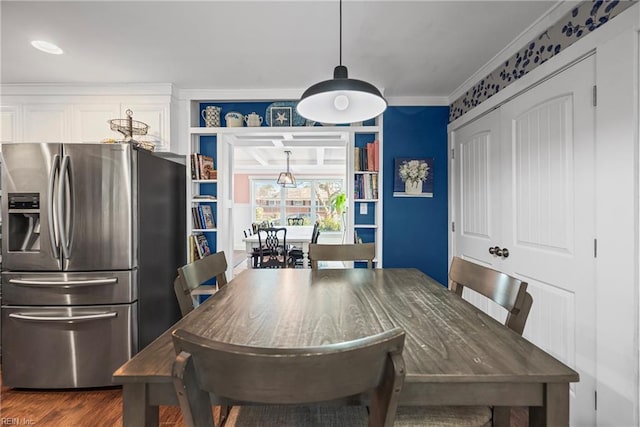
{"points": [[413, 173]]}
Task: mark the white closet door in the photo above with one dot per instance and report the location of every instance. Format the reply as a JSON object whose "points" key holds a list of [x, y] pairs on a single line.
{"points": [[477, 188], [548, 184]]}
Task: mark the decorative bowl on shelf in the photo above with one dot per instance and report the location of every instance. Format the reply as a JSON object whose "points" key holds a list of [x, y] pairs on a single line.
{"points": [[296, 119]]}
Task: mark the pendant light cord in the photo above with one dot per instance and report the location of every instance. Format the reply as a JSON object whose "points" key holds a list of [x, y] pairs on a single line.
{"points": [[340, 32]]}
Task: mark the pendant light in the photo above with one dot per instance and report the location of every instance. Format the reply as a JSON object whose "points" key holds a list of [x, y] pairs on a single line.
{"points": [[286, 179], [341, 99]]}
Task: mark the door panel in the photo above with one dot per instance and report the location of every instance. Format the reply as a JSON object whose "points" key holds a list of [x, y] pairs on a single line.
{"points": [[99, 229], [477, 202], [549, 221], [30, 236], [542, 176]]}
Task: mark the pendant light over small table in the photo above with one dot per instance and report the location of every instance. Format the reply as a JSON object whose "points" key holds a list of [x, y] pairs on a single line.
{"points": [[286, 179]]}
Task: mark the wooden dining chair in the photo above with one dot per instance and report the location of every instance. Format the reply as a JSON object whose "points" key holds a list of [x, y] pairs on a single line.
{"points": [[508, 292], [345, 252], [190, 279], [301, 378], [296, 255], [272, 243], [255, 252]]}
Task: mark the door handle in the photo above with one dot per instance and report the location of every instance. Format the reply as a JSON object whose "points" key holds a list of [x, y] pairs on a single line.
{"points": [[498, 251], [53, 226], [61, 206]]}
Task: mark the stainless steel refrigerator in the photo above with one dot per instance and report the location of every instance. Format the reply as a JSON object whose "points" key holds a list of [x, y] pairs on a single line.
{"points": [[92, 237]]}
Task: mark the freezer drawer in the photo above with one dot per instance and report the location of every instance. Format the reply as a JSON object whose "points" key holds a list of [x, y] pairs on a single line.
{"points": [[79, 288], [66, 347]]}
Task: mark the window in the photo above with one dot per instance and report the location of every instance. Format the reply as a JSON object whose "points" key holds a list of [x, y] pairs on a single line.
{"points": [[311, 199]]}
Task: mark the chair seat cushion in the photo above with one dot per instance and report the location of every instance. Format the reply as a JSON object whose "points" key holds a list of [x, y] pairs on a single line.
{"points": [[297, 416], [443, 416]]}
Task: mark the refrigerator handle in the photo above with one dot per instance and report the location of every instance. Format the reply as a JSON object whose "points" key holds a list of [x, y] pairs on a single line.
{"points": [[70, 319], [68, 284], [61, 206], [53, 226]]}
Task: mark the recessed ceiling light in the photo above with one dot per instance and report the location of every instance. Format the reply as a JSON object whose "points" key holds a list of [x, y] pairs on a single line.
{"points": [[47, 47]]}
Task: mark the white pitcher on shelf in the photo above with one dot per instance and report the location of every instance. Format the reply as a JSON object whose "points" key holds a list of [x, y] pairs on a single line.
{"points": [[253, 120], [234, 119]]}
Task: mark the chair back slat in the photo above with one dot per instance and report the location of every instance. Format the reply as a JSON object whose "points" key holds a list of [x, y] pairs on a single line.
{"points": [[507, 291], [272, 244], [192, 275], [284, 375], [349, 252]]}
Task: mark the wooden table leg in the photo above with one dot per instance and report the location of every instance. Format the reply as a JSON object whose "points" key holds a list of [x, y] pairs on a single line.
{"points": [[305, 255], [249, 248], [555, 411], [501, 416], [136, 411]]}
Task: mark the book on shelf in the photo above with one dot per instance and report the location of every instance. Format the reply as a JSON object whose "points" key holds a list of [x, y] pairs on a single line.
{"points": [[206, 167], [195, 218], [207, 214], [193, 249], [204, 197], [202, 167], [202, 245], [365, 187], [367, 158], [202, 217]]}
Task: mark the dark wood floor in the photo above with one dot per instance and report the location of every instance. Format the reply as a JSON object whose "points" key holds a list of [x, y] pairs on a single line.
{"points": [[94, 408]]}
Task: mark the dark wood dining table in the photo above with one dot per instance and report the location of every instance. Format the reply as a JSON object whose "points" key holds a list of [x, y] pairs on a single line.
{"points": [[454, 353]]}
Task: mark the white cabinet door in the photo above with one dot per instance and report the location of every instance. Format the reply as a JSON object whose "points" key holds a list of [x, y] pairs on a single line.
{"points": [[46, 123], [10, 123], [548, 179], [156, 115], [91, 122]]}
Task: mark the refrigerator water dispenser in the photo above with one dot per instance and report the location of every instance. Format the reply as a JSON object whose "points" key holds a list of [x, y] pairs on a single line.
{"points": [[24, 222]]}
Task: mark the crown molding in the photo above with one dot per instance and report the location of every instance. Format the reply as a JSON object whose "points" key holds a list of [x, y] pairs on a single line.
{"points": [[87, 89], [417, 101]]}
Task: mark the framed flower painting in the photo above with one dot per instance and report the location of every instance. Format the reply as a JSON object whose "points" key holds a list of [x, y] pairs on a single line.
{"points": [[413, 177]]}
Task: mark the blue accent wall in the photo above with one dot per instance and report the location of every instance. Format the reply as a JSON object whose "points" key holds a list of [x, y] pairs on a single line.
{"points": [[415, 229]]}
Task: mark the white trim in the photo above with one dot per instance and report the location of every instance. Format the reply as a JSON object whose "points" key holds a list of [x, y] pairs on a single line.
{"points": [[538, 27], [86, 89], [419, 101], [244, 95]]}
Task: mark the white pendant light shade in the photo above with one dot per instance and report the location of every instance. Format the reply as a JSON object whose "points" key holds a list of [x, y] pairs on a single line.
{"points": [[341, 100]]}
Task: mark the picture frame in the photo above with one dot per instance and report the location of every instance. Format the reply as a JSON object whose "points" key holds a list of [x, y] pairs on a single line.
{"points": [[413, 177], [280, 116]]}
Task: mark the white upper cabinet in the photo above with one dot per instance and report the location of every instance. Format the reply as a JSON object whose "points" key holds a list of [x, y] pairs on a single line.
{"points": [[91, 122], [81, 114], [46, 123], [9, 123], [156, 116]]}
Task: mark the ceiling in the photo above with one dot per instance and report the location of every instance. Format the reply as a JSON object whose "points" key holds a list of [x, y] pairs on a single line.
{"points": [[405, 48]]}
